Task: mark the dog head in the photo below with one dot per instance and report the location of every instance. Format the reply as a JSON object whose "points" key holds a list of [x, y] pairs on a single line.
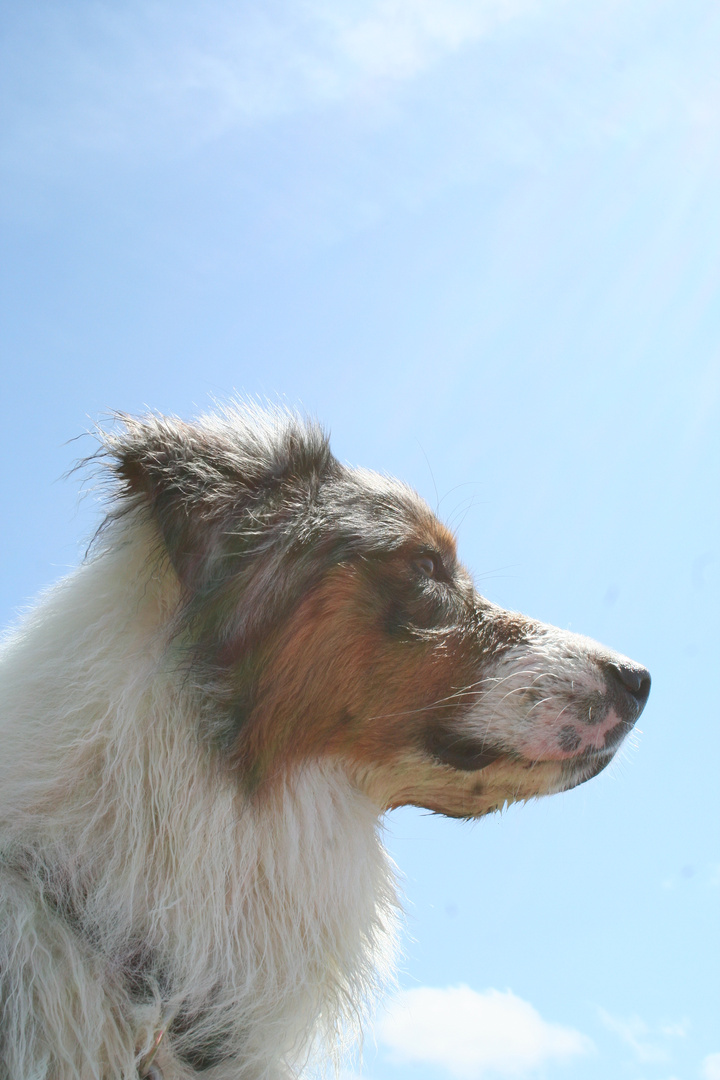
{"points": [[325, 615]]}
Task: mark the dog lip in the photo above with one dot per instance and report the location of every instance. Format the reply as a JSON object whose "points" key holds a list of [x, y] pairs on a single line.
{"points": [[462, 752], [585, 756], [483, 760], [588, 755]]}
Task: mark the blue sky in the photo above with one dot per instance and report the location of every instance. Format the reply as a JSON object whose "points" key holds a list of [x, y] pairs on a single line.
{"points": [[481, 241]]}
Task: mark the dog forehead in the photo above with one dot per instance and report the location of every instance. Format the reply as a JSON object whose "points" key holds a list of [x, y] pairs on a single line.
{"points": [[440, 536], [397, 507]]}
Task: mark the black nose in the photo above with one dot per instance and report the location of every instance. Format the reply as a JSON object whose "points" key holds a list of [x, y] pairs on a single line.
{"points": [[634, 679]]}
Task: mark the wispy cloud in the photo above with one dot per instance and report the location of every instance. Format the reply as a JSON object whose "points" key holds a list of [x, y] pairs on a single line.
{"points": [[108, 76], [471, 1034], [466, 84], [711, 1067], [263, 61], [647, 1043], [400, 38]]}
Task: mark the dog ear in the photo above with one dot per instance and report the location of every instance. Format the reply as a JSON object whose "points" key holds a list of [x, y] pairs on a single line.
{"points": [[206, 484], [158, 462]]}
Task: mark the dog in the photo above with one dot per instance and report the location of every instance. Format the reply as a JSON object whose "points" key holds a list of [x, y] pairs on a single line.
{"points": [[203, 725]]}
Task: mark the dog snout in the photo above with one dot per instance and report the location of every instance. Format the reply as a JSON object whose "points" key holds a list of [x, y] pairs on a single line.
{"points": [[632, 681]]}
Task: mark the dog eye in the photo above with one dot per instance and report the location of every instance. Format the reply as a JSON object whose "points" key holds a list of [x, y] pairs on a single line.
{"points": [[429, 565]]}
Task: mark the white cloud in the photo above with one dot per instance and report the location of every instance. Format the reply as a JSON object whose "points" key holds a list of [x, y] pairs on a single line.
{"points": [[473, 1034], [711, 1067]]}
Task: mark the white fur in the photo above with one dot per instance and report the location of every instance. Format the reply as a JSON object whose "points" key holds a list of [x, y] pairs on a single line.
{"points": [[276, 912]]}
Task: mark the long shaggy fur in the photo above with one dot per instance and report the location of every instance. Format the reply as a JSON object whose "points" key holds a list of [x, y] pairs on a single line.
{"points": [[196, 752]]}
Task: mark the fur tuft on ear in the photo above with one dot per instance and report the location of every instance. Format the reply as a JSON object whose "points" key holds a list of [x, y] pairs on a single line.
{"points": [[202, 483]]}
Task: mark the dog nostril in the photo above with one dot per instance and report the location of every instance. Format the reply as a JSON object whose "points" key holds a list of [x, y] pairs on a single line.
{"points": [[636, 680]]}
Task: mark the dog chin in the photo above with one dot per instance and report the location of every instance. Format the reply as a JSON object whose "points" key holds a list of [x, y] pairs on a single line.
{"points": [[508, 779]]}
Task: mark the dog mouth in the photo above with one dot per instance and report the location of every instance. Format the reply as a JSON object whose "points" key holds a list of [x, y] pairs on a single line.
{"points": [[467, 754], [479, 778], [491, 775]]}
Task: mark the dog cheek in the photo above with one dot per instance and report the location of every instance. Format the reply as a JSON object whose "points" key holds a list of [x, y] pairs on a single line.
{"points": [[413, 708], [314, 681]]}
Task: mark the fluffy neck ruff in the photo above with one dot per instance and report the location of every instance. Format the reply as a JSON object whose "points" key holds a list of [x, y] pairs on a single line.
{"points": [[253, 928]]}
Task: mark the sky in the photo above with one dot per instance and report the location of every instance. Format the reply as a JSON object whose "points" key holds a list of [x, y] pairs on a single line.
{"points": [[481, 242]]}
